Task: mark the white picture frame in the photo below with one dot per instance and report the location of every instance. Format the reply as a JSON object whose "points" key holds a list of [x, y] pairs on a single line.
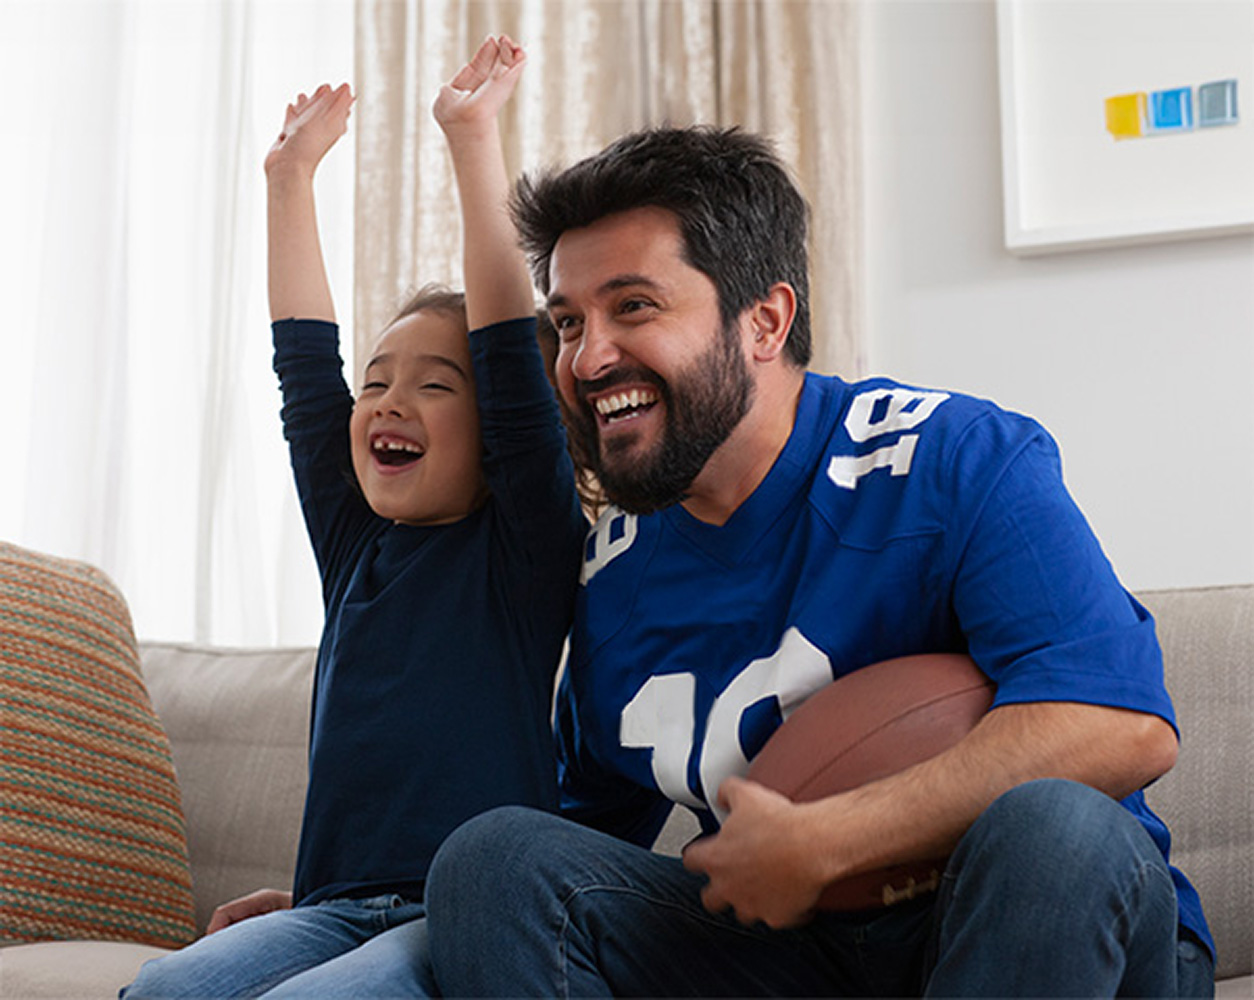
{"points": [[1068, 183]]}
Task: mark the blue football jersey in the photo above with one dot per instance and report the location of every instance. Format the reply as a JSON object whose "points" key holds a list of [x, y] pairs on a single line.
{"points": [[896, 521]]}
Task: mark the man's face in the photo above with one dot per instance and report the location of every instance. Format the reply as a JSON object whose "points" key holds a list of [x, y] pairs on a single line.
{"points": [[653, 378]]}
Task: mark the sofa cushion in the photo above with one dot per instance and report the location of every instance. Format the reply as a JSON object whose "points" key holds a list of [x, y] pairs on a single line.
{"points": [[71, 970], [93, 843], [238, 721], [1207, 635]]}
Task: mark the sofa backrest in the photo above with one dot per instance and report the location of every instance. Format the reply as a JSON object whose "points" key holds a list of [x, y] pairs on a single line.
{"points": [[1207, 800], [238, 724]]}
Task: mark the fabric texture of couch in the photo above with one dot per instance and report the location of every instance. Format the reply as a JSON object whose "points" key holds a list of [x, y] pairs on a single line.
{"points": [[237, 723]]}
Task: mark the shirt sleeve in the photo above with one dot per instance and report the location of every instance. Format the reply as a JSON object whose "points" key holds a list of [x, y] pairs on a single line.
{"points": [[525, 457], [317, 405], [1042, 609], [527, 465]]}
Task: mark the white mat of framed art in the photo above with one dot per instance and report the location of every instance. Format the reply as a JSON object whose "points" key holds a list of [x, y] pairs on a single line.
{"points": [[1069, 183]]}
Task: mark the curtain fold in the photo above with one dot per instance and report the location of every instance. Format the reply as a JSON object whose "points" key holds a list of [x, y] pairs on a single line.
{"points": [[140, 411], [597, 69]]}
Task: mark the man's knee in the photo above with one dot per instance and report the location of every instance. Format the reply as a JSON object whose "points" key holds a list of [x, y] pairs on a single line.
{"points": [[503, 832], [500, 843], [1054, 824]]}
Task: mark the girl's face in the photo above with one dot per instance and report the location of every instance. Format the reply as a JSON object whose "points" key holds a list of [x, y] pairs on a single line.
{"points": [[414, 431]]}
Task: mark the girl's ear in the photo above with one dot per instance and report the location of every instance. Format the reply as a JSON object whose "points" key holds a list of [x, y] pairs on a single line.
{"points": [[770, 320]]}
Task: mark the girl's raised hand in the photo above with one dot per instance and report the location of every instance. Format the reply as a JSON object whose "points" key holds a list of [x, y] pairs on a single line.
{"points": [[311, 126], [475, 95]]}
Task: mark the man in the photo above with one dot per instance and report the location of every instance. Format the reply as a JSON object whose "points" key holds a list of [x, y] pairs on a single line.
{"points": [[775, 529]]}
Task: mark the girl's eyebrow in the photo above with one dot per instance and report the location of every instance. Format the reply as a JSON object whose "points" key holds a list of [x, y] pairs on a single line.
{"points": [[434, 359]]}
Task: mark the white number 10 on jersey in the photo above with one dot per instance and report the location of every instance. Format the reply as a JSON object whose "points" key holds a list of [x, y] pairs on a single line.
{"points": [[662, 717]]}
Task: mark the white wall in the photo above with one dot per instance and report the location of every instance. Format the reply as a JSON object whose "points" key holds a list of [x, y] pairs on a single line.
{"points": [[1140, 360]]}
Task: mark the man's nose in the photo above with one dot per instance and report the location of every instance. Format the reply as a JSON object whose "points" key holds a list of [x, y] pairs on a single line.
{"points": [[596, 353]]}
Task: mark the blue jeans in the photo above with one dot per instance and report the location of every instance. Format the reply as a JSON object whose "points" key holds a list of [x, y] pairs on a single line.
{"points": [[340, 948], [1055, 891]]}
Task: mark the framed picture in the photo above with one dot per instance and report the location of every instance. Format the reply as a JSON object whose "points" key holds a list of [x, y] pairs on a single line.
{"points": [[1125, 121]]}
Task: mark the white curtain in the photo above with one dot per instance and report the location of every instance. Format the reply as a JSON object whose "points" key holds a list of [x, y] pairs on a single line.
{"points": [[139, 411], [598, 68], [138, 405]]}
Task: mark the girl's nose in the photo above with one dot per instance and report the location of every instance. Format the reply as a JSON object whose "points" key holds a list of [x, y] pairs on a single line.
{"points": [[391, 403]]}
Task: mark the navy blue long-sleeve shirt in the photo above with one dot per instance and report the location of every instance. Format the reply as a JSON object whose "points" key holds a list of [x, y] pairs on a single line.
{"points": [[435, 669]]}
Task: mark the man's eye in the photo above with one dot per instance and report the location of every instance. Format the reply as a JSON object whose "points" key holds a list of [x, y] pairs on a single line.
{"points": [[567, 327], [635, 305]]}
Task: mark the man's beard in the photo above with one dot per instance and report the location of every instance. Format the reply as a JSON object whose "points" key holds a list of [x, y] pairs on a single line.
{"points": [[704, 404]]}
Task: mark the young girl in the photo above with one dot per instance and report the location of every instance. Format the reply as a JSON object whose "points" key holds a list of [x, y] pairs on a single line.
{"points": [[442, 510]]}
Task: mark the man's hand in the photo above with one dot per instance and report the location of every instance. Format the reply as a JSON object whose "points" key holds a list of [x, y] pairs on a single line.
{"points": [[311, 126], [253, 905], [760, 864], [476, 94]]}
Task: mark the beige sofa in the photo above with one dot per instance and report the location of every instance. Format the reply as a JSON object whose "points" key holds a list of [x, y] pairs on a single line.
{"points": [[236, 721]]}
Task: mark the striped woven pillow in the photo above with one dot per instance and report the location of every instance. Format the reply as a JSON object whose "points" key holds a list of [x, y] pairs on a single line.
{"points": [[92, 841]]}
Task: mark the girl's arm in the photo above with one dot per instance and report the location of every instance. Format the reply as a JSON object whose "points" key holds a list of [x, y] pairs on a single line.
{"points": [[498, 286], [297, 275]]}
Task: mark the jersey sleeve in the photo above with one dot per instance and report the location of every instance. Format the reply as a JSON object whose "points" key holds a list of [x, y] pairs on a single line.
{"points": [[317, 405], [1041, 607]]}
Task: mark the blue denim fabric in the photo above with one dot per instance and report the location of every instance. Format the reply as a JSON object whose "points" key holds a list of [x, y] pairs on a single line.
{"points": [[1056, 891], [343, 947]]}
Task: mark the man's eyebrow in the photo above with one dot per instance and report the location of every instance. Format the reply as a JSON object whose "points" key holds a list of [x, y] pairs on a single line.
{"points": [[611, 285]]}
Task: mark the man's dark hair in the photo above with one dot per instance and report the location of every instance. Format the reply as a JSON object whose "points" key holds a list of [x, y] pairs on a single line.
{"points": [[742, 218]]}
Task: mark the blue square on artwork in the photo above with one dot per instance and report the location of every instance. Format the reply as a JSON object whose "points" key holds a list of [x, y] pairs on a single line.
{"points": [[1171, 110], [1217, 103]]}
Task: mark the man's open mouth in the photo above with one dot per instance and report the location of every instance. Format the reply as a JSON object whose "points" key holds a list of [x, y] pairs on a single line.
{"points": [[618, 406]]}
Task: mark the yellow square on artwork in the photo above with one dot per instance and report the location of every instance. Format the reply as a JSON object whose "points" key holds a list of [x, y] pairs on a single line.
{"points": [[1125, 115]]}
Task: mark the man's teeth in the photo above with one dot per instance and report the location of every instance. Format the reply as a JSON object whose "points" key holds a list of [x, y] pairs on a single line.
{"points": [[619, 402]]}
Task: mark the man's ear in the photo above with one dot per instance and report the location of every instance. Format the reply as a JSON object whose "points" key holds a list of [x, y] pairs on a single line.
{"points": [[770, 321]]}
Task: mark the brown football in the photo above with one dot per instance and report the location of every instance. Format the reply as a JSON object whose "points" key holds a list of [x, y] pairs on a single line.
{"points": [[868, 725]]}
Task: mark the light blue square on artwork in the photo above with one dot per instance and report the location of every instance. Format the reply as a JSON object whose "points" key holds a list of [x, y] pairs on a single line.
{"points": [[1171, 110], [1217, 103]]}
